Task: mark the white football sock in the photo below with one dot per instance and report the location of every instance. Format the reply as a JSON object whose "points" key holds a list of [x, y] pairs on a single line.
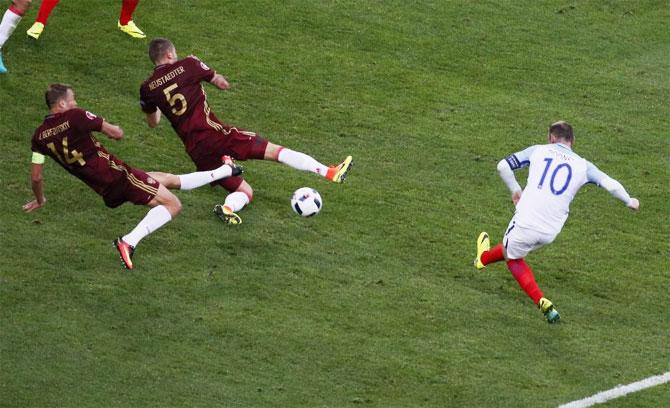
{"points": [[200, 178], [236, 201], [9, 22], [155, 218], [301, 161]]}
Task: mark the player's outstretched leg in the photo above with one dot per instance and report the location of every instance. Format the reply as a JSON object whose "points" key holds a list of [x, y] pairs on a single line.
{"points": [[549, 310], [305, 162], [165, 207], [338, 174], [196, 179], [126, 252]]}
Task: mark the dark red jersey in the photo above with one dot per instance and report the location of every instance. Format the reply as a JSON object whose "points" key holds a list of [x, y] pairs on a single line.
{"points": [[66, 137], [177, 91]]}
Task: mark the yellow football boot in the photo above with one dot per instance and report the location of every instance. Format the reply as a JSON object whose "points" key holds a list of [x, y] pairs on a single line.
{"points": [[549, 310], [132, 30], [338, 173], [227, 215], [36, 30], [483, 245]]}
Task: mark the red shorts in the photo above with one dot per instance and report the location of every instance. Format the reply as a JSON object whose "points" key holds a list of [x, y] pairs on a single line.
{"points": [[236, 143], [132, 185]]}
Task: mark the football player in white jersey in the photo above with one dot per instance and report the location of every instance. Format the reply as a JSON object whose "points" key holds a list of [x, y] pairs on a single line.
{"points": [[555, 175]]}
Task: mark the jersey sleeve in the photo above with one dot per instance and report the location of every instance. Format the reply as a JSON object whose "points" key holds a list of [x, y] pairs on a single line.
{"points": [[599, 178], [35, 147], [86, 121], [520, 159], [146, 104], [199, 70], [594, 175]]}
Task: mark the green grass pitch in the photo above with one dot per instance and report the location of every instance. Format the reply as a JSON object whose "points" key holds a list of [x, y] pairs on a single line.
{"points": [[374, 302]]}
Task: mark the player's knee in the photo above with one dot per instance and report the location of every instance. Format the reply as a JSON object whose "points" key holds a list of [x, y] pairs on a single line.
{"points": [[272, 152], [247, 190], [177, 206], [173, 205]]}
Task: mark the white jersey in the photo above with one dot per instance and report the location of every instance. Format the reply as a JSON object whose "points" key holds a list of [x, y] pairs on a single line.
{"points": [[555, 175]]}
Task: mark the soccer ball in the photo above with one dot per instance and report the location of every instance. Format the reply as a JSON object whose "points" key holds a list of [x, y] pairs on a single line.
{"points": [[306, 202]]}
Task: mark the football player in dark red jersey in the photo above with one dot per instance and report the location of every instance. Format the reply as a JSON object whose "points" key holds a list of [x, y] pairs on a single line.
{"points": [[175, 89], [65, 135]]}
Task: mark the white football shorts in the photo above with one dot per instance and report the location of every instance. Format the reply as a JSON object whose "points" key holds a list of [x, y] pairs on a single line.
{"points": [[519, 241]]}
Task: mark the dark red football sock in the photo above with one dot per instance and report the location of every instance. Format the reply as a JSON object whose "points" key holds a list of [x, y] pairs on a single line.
{"points": [[494, 254], [46, 8], [127, 10], [524, 275]]}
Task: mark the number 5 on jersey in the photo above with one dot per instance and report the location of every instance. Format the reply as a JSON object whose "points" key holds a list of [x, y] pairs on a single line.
{"points": [[174, 98]]}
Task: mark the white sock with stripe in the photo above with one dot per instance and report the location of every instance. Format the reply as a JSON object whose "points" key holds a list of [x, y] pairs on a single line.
{"points": [[301, 161], [155, 218], [200, 178], [236, 201], [9, 22]]}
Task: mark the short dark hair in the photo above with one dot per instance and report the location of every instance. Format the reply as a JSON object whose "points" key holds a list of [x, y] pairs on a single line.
{"points": [[158, 47], [55, 92], [562, 130]]}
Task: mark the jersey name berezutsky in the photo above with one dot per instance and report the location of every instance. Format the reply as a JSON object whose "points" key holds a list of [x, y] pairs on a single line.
{"points": [[555, 175]]}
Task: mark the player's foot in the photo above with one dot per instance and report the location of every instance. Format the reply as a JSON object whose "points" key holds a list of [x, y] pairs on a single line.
{"points": [[3, 70], [236, 169], [131, 29], [36, 30], [227, 215], [483, 245], [549, 310], [338, 174], [126, 252]]}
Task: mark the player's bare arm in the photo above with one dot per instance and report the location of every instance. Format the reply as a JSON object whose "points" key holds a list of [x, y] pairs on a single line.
{"points": [[220, 82], [112, 131], [38, 189], [153, 119]]}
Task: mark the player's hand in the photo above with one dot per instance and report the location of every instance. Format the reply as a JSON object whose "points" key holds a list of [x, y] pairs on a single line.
{"points": [[516, 196], [112, 131], [220, 82], [33, 205], [634, 204]]}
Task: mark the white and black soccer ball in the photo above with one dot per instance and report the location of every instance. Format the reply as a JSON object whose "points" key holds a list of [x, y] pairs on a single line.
{"points": [[306, 202]]}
